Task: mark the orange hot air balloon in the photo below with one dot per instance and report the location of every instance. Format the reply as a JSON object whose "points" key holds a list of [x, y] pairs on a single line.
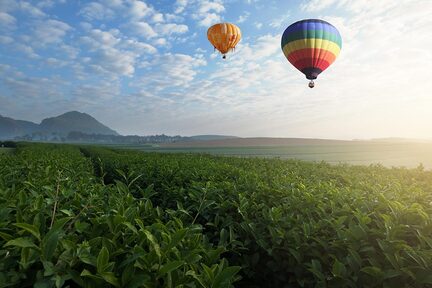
{"points": [[224, 37]]}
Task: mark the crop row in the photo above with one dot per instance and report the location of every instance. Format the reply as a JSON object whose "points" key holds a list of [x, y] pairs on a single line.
{"points": [[61, 227]]}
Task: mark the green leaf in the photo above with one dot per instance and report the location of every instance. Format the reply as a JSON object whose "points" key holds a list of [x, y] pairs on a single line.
{"points": [[48, 268], [22, 243], [197, 277], [140, 280], [224, 278], [176, 238], [86, 273], [110, 278], [102, 260], [338, 269], [50, 244], [131, 227], [169, 267], [316, 269], [67, 212], [153, 242], [6, 236], [373, 271], [127, 274], [29, 228], [391, 274]]}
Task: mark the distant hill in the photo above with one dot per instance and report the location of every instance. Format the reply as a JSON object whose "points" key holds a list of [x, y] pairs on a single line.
{"points": [[258, 142], [211, 137], [9, 128], [61, 125], [399, 140], [75, 121]]}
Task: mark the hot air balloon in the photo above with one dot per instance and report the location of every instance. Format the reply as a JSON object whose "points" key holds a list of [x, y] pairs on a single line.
{"points": [[311, 45], [224, 37]]}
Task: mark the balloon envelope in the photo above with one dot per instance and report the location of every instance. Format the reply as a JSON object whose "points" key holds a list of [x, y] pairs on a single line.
{"points": [[224, 36], [311, 45]]}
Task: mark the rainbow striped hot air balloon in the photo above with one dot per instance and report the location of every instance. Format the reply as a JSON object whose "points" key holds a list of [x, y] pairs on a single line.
{"points": [[311, 45]]}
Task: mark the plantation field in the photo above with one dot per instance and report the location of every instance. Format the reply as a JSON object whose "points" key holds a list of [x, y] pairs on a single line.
{"points": [[6, 150], [87, 216], [357, 153]]}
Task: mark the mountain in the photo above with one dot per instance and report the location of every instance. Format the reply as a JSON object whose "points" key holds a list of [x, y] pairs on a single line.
{"points": [[61, 126], [75, 121], [211, 137], [9, 128]]}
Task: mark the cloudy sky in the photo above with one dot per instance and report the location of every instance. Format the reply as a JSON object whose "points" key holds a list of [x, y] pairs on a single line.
{"points": [[146, 67]]}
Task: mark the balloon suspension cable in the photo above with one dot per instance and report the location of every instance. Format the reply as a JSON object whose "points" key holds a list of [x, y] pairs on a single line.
{"points": [[224, 56], [311, 84]]}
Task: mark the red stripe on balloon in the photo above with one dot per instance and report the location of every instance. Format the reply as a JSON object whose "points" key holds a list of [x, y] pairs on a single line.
{"points": [[311, 62], [311, 54]]}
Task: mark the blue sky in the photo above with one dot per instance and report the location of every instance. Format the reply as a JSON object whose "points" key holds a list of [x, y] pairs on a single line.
{"points": [[146, 67]]}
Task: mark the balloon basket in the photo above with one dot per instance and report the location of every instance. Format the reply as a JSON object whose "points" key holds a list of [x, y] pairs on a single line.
{"points": [[311, 84]]}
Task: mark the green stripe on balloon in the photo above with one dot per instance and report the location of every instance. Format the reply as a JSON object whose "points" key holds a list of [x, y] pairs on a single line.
{"points": [[310, 34]]}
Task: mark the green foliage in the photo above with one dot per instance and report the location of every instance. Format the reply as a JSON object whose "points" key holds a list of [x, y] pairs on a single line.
{"points": [[92, 217]]}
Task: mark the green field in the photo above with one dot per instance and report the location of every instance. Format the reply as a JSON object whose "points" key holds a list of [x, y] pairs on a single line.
{"points": [[87, 216], [387, 154], [6, 150]]}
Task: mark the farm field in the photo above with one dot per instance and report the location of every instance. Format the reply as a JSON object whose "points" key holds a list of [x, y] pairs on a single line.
{"points": [[357, 153], [91, 216], [6, 150]]}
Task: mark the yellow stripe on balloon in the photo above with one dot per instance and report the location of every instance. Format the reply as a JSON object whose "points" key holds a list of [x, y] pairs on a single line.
{"points": [[312, 43]]}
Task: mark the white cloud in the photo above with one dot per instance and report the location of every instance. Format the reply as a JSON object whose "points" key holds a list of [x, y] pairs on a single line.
{"points": [[32, 88], [210, 19], [180, 6], [7, 21], [147, 31], [243, 18], [171, 28], [318, 5], [69, 51], [160, 42], [111, 55], [138, 47], [113, 62], [30, 9], [49, 3], [50, 31], [27, 50], [54, 62], [173, 18], [208, 12], [139, 9], [103, 39], [100, 92], [207, 6], [258, 25], [96, 11], [171, 70], [158, 17], [280, 22], [144, 29]]}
